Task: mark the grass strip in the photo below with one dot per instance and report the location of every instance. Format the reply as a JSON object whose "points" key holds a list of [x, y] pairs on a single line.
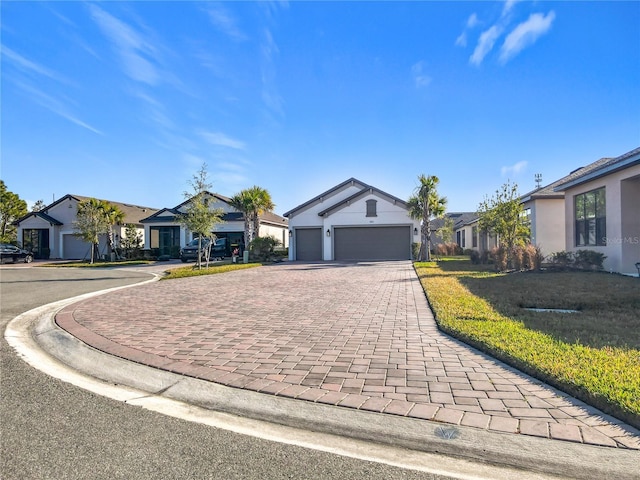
{"points": [[607, 377], [192, 271]]}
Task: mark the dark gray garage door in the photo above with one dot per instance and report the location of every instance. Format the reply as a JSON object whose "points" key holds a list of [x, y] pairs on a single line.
{"points": [[372, 243], [309, 244]]}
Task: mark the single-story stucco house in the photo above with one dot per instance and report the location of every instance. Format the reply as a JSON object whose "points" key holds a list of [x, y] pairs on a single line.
{"points": [[602, 211], [164, 232], [545, 210], [352, 221], [49, 233]]}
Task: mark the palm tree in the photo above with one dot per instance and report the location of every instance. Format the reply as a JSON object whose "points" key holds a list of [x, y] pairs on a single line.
{"points": [[253, 203], [425, 204], [91, 222], [114, 216]]}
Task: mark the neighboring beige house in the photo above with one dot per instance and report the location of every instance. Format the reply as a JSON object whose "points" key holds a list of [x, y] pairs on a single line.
{"points": [[164, 232], [469, 236], [49, 233], [352, 221], [602, 211], [545, 210]]}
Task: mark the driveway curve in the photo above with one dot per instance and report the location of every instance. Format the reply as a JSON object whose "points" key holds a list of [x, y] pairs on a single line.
{"points": [[352, 335]]}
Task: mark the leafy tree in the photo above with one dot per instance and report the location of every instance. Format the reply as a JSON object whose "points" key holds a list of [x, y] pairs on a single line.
{"points": [[425, 204], [12, 208], [38, 206], [503, 215], [91, 222], [445, 232], [131, 241], [198, 217], [252, 202]]}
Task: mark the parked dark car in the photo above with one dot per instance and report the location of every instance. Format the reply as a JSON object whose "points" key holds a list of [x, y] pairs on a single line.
{"points": [[190, 252], [11, 253]]}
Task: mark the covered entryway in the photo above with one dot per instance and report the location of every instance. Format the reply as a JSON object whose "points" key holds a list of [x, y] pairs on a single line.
{"points": [[372, 243], [309, 244]]}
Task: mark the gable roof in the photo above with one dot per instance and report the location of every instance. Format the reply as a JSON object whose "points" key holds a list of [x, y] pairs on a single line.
{"points": [[169, 214], [40, 214], [549, 191], [162, 215], [132, 213], [365, 191], [222, 198], [329, 193], [608, 167], [464, 218]]}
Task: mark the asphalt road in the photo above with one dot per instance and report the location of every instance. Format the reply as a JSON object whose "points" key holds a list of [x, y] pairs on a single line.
{"points": [[53, 430]]}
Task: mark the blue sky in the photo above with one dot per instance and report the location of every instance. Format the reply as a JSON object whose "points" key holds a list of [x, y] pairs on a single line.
{"points": [[125, 100]]}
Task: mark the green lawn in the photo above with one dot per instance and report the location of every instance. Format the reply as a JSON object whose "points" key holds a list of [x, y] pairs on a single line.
{"points": [[593, 354], [192, 270]]}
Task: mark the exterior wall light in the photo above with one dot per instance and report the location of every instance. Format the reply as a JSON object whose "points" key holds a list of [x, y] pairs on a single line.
{"points": [[328, 232], [415, 230], [290, 233]]}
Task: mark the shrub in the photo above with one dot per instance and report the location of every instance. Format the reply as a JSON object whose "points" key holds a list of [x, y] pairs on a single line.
{"points": [[562, 259], [532, 257], [448, 249], [580, 260], [588, 260], [475, 257], [415, 250], [499, 257], [264, 247], [517, 258]]}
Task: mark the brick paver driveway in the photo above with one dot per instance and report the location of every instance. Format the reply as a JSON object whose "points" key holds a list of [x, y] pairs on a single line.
{"points": [[353, 335]]}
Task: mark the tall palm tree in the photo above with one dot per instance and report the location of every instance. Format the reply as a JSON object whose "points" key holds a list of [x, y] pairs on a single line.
{"points": [[253, 203], [424, 204], [114, 216]]}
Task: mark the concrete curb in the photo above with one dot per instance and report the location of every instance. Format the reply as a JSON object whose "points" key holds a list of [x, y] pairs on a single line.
{"points": [[36, 329]]}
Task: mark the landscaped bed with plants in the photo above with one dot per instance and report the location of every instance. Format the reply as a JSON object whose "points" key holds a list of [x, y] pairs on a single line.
{"points": [[592, 354]]}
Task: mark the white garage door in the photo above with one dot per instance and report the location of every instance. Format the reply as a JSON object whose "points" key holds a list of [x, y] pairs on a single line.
{"points": [[372, 243], [74, 248]]}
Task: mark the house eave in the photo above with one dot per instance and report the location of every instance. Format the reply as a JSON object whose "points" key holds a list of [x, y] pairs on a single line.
{"points": [[596, 174]]}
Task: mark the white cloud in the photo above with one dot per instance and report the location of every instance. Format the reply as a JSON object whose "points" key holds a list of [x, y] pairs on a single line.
{"points": [[219, 139], [472, 21], [526, 34], [270, 95], [514, 169], [54, 105], [420, 78], [27, 65], [225, 22], [135, 51], [485, 44], [508, 5]]}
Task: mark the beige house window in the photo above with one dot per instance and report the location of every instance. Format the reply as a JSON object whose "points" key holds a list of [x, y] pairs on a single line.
{"points": [[591, 218]]}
